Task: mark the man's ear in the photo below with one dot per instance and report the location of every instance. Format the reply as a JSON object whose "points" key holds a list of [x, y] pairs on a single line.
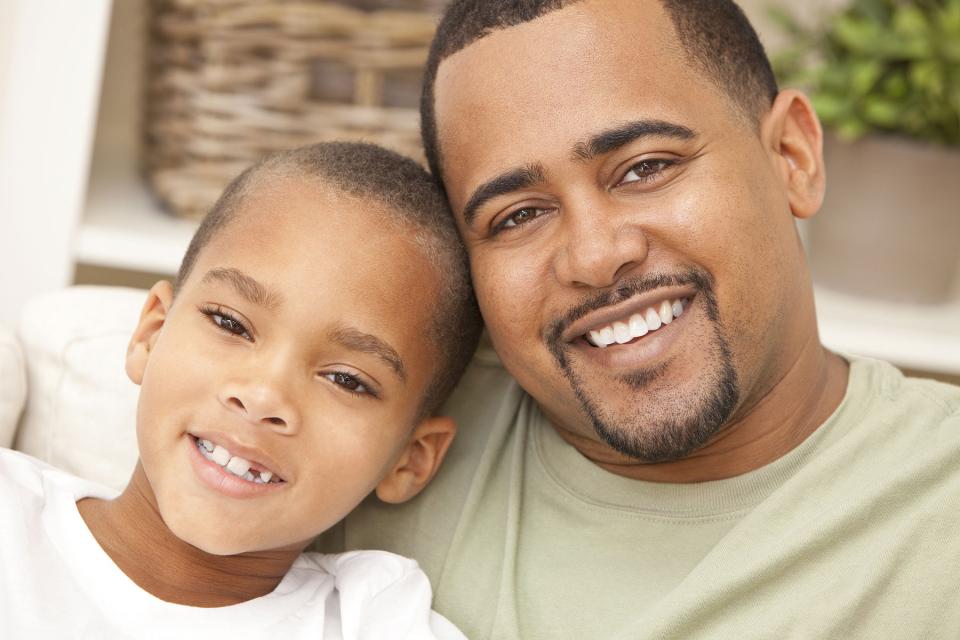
{"points": [[152, 317], [419, 461], [792, 134]]}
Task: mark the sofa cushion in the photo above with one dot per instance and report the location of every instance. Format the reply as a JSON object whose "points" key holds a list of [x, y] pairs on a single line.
{"points": [[13, 385], [81, 409]]}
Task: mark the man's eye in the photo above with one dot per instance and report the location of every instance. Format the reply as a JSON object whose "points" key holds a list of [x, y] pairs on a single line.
{"points": [[646, 170], [519, 217], [348, 382]]}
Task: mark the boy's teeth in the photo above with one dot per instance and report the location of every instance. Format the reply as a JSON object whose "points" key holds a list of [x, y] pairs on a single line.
{"points": [[234, 464], [638, 325], [238, 466], [220, 455]]}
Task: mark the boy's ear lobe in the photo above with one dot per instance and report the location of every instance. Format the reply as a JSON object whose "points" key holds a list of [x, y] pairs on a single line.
{"points": [[419, 461], [792, 134], [152, 317]]}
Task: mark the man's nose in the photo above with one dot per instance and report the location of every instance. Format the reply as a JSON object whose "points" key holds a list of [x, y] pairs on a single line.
{"points": [[263, 397], [599, 246]]}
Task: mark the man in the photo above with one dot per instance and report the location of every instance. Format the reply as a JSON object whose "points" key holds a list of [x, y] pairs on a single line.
{"points": [[682, 458]]}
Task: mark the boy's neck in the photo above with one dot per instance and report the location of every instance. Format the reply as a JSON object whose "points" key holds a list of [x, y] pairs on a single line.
{"points": [[131, 531]]}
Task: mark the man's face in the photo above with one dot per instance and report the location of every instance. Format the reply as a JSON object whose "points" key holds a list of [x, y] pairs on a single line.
{"points": [[603, 185], [296, 345]]}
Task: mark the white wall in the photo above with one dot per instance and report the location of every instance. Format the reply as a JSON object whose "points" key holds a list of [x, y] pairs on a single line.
{"points": [[51, 60]]}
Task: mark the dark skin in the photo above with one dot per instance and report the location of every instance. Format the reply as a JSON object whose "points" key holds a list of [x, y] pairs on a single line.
{"points": [[132, 532], [721, 197], [322, 390]]}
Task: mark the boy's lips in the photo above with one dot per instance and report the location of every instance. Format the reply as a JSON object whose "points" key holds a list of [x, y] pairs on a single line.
{"points": [[222, 481], [235, 457]]}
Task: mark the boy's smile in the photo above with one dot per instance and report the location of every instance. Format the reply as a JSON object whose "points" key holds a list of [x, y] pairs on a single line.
{"points": [[230, 473], [283, 382]]}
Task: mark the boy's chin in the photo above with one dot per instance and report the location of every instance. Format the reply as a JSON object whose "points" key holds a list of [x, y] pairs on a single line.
{"points": [[228, 543]]}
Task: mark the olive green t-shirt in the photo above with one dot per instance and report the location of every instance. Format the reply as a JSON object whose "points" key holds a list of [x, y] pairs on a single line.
{"points": [[853, 534]]}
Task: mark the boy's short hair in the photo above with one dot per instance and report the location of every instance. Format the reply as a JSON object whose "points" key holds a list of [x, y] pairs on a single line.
{"points": [[415, 205]]}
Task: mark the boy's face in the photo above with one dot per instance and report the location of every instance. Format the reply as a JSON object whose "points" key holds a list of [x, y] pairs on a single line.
{"points": [[297, 346]]}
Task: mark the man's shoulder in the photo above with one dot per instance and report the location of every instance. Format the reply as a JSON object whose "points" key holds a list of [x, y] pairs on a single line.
{"points": [[882, 387]]}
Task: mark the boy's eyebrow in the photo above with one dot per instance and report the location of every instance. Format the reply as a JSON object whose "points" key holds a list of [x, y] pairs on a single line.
{"points": [[245, 285], [357, 340]]}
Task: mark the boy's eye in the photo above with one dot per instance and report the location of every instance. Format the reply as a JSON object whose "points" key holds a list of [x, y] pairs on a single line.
{"points": [[348, 382], [519, 217], [646, 170], [226, 322]]}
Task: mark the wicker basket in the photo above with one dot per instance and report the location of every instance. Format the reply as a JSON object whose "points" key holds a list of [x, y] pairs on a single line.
{"points": [[232, 80]]}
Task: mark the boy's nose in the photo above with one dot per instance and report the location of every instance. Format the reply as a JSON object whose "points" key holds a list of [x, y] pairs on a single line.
{"points": [[262, 404]]}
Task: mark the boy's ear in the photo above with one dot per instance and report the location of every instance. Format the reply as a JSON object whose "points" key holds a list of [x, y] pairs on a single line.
{"points": [[152, 317], [419, 461], [791, 132]]}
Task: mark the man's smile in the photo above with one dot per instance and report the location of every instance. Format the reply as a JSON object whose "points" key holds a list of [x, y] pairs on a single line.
{"points": [[627, 329]]}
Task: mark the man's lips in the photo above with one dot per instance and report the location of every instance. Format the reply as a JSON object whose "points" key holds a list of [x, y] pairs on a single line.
{"points": [[648, 306]]}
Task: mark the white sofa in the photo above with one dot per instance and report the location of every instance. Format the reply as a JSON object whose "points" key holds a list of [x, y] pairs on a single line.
{"points": [[64, 395]]}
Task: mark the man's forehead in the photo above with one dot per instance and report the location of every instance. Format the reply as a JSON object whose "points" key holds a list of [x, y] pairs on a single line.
{"points": [[555, 81], [586, 27]]}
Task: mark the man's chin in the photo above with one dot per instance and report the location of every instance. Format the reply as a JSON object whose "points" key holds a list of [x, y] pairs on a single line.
{"points": [[645, 416]]}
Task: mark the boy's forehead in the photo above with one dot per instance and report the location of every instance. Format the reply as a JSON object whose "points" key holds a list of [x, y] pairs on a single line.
{"points": [[311, 238]]}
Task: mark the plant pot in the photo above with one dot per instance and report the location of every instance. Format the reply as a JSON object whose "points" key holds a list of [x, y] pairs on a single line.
{"points": [[890, 225]]}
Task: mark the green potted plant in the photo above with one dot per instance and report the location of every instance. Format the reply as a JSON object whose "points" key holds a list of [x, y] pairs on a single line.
{"points": [[884, 76]]}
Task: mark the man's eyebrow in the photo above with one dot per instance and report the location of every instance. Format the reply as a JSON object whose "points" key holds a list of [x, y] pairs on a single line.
{"points": [[622, 135], [245, 285], [357, 340], [512, 180]]}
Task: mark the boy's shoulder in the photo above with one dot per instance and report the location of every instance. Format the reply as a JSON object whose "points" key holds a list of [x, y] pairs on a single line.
{"points": [[368, 570], [379, 589], [21, 475], [25, 482]]}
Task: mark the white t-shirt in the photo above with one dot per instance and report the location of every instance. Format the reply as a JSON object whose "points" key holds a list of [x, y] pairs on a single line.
{"points": [[57, 582]]}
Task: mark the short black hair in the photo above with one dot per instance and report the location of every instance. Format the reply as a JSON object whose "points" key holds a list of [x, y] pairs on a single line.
{"points": [[415, 205], [715, 34]]}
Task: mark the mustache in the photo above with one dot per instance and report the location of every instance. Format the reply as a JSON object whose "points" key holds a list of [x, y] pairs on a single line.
{"points": [[626, 289]]}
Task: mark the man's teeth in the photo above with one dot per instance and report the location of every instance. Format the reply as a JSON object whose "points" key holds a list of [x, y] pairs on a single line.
{"points": [[637, 325], [236, 465]]}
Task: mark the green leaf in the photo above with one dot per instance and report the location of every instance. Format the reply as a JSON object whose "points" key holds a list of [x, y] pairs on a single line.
{"points": [[879, 65], [881, 113], [928, 76], [851, 129], [831, 108], [857, 35], [864, 75], [910, 21]]}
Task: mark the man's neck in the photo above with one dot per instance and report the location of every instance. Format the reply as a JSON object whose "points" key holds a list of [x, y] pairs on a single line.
{"points": [[792, 409], [131, 531]]}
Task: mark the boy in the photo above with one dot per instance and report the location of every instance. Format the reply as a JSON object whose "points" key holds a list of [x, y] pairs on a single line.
{"points": [[321, 314]]}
